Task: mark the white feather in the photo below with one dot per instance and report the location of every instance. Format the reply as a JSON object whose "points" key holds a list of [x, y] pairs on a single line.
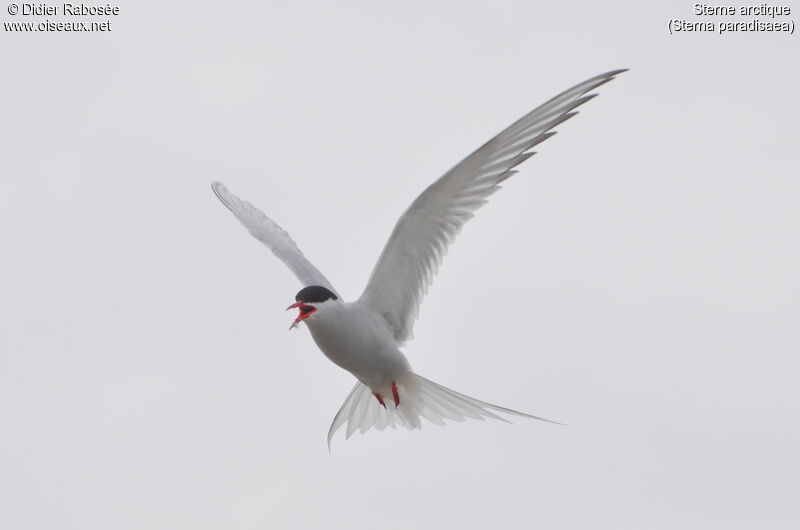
{"points": [[420, 398], [424, 232], [273, 236]]}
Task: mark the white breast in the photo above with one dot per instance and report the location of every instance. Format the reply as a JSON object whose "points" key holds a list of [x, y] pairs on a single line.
{"points": [[356, 339]]}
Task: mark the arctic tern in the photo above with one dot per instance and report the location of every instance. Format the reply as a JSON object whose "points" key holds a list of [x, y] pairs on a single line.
{"points": [[364, 337]]}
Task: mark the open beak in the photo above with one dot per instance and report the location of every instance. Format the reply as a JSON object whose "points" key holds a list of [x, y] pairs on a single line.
{"points": [[305, 312]]}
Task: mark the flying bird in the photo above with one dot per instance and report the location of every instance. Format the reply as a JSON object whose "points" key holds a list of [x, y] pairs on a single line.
{"points": [[365, 336]]}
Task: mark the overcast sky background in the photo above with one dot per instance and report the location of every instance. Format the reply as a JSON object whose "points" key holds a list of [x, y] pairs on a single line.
{"points": [[638, 280]]}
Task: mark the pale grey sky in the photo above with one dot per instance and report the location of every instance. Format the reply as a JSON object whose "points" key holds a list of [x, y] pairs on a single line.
{"points": [[637, 280]]}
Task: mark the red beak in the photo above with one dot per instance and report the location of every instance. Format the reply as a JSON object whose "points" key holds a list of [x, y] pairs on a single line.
{"points": [[305, 312]]}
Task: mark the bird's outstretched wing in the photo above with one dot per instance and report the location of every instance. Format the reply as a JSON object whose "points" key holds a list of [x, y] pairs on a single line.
{"points": [[423, 233], [273, 236]]}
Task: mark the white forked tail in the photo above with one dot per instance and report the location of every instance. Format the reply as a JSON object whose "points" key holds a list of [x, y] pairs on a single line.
{"points": [[419, 398]]}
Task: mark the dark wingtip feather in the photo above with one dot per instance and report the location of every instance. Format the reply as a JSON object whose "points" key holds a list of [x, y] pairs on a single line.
{"points": [[520, 159]]}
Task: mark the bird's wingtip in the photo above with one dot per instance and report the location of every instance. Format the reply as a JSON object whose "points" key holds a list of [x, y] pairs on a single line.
{"points": [[221, 192]]}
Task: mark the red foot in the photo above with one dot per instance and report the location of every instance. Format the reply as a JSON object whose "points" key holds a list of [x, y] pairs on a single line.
{"points": [[380, 399], [395, 394]]}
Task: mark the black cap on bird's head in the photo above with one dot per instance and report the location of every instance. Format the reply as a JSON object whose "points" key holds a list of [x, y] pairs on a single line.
{"points": [[313, 294]]}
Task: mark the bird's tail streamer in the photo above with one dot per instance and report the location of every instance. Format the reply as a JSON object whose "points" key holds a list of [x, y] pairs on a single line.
{"points": [[418, 398]]}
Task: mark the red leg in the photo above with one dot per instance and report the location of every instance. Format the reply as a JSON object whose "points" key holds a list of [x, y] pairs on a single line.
{"points": [[395, 394], [380, 399]]}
